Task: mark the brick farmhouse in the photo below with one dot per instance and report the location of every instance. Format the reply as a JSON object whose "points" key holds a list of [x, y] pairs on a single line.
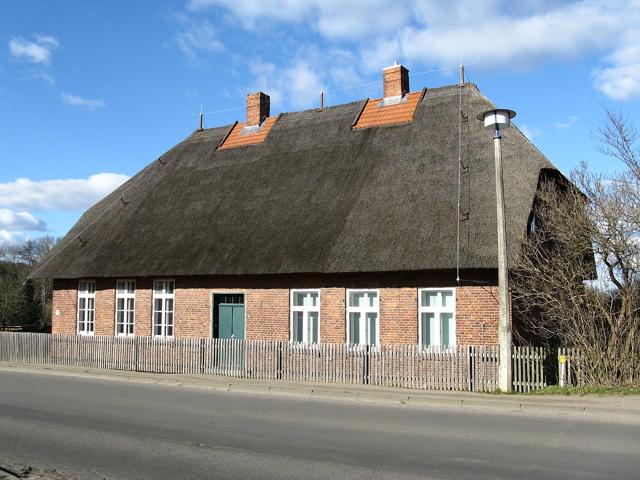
{"points": [[372, 222]]}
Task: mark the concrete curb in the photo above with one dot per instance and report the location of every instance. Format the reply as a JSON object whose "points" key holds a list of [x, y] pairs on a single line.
{"points": [[613, 407]]}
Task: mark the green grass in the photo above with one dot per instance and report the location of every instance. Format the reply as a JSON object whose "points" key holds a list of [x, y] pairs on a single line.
{"points": [[556, 390]]}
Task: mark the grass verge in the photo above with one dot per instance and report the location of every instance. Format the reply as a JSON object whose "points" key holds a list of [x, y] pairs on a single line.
{"points": [[556, 390]]}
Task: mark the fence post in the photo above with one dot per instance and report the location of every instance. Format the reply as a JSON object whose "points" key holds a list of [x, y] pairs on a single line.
{"points": [[279, 364], [562, 368], [201, 356], [472, 378], [135, 353], [366, 364]]}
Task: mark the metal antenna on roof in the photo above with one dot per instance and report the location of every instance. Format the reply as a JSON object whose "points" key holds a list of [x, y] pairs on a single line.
{"points": [[201, 117], [321, 97], [461, 74], [385, 53]]}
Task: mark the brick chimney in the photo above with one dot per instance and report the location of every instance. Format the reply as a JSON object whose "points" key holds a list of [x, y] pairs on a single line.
{"points": [[396, 81], [258, 105]]}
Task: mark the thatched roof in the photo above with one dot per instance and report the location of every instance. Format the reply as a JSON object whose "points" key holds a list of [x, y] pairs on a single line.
{"points": [[316, 196]]}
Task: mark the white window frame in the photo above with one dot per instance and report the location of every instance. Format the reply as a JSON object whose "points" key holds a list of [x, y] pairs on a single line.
{"points": [[305, 309], [364, 325], [437, 311], [86, 295], [164, 311], [125, 297]]}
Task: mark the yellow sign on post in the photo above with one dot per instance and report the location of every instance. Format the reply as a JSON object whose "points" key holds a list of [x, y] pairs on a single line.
{"points": [[563, 359]]}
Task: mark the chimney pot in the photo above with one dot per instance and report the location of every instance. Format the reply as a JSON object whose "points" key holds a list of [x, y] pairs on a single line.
{"points": [[395, 80], [258, 107]]}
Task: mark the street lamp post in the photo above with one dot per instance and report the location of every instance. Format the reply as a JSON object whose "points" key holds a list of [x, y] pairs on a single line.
{"points": [[495, 119]]}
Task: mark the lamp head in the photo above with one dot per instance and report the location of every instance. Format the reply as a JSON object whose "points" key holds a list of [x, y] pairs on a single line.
{"points": [[497, 118]]}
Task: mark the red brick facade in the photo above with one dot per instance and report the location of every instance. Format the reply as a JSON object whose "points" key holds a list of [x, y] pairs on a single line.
{"points": [[267, 310]]}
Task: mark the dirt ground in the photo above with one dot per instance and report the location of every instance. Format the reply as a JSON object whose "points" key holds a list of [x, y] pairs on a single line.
{"points": [[31, 473]]}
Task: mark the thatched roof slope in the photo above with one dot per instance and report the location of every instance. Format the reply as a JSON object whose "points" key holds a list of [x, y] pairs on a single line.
{"points": [[315, 196]]}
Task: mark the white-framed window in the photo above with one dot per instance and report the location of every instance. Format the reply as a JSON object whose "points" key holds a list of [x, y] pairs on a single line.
{"points": [[305, 316], [363, 313], [437, 317], [125, 307], [163, 300], [86, 307]]}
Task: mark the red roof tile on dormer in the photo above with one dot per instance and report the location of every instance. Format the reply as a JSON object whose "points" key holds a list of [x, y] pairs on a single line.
{"points": [[238, 138], [375, 114]]}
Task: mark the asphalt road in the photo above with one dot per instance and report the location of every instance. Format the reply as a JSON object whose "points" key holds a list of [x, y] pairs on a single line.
{"points": [[93, 428]]}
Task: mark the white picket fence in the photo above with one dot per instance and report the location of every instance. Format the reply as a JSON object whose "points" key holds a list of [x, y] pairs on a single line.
{"points": [[570, 362], [530, 368], [469, 368]]}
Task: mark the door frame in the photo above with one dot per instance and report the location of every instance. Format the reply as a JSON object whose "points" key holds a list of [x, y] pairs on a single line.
{"points": [[227, 292]]}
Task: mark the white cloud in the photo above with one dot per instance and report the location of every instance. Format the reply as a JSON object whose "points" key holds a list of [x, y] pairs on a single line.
{"points": [[297, 84], [507, 40], [38, 51], [333, 18], [530, 132], [15, 221], [381, 54], [356, 19], [47, 40], [620, 80], [490, 33], [196, 38], [293, 85], [88, 103], [12, 238], [566, 124], [68, 194], [285, 10]]}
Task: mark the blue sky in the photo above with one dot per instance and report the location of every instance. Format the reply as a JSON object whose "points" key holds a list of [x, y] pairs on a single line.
{"points": [[92, 91]]}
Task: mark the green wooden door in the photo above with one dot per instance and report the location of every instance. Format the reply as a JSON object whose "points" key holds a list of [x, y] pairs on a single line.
{"points": [[231, 320]]}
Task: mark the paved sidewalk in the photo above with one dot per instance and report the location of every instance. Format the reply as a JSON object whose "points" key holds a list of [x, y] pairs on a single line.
{"points": [[622, 408]]}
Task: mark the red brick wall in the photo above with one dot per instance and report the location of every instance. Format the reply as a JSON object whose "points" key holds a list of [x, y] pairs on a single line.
{"points": [[267, 311], [267, 314], [333, 327], [105, 307], [144, 307], [64, 307], [477, 314], [398, 315], [192, 310]]}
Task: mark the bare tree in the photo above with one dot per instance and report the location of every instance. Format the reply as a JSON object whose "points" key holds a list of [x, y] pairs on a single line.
{"points": [[577, 283], [23, 301], [37, 252], [10, 280]]}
